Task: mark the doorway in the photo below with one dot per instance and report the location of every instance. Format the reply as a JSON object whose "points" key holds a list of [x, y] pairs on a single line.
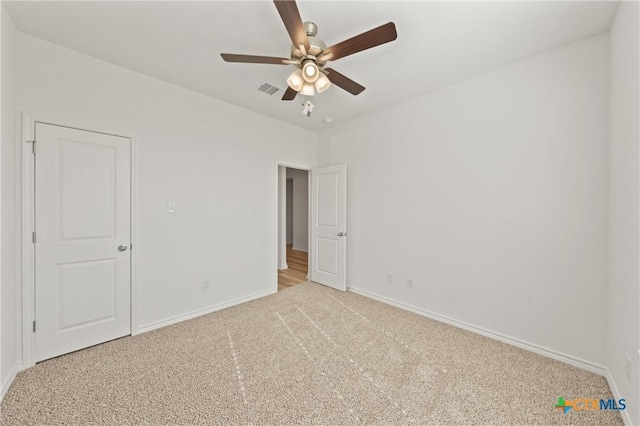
{"points": [[293, 241]]}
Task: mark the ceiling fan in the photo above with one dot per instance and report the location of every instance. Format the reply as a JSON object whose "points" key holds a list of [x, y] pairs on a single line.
{"points": [[310, 54]]}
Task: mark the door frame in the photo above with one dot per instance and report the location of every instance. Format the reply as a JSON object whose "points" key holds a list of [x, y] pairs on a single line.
{"points": [[275, 262], [27, 216]]}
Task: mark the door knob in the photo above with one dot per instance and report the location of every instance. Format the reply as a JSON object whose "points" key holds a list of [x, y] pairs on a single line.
{"points": [[341, 234], [122, 247]]}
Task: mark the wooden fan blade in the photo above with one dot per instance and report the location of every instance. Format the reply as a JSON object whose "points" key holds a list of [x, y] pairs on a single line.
{"points": [[252, 59], [288, 11], [372, 38], [344, 82], [289, 94]]}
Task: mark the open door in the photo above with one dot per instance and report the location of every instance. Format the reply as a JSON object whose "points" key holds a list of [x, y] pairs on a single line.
{"points": [[329, 226]]}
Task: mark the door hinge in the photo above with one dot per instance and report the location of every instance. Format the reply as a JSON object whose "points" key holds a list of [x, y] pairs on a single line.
{"points": [[34, 326], [33, 146], [33, 237]]}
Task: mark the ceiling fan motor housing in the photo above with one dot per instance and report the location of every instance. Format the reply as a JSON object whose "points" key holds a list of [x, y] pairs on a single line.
{"points": [[316, 46]]}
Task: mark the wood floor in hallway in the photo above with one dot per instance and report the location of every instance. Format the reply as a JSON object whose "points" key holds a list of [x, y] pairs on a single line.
{"points": [[298, 262]]}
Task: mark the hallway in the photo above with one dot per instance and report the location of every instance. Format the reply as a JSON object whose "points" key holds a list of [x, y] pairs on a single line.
{"points": [[298, 262]]}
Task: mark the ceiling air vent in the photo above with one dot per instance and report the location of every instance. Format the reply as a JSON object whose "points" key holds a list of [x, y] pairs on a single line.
{"points": [[268, 89]]}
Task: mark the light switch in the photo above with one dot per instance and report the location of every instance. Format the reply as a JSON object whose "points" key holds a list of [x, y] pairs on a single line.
{"points": [[171, 207]]}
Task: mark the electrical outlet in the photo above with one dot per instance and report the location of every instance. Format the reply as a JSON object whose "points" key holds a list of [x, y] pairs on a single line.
{"points": [[627, 367], [206, 285], [389, 278], [409, 283]]}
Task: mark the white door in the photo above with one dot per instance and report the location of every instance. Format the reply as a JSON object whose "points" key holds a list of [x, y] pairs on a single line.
{"points": [[329, 226], [82, 248]]}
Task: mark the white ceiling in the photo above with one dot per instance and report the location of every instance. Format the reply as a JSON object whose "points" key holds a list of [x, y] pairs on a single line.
{"points": [[439, 43]]}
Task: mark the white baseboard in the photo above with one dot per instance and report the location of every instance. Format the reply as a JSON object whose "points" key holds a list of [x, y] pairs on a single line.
{"points": [[7, 383], [283, 266], [205, 311], [300, 249], [626, 417], [549, 353]]}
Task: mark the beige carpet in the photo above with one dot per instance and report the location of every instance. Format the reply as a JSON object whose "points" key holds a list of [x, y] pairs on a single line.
{"points": [[306, 355]]}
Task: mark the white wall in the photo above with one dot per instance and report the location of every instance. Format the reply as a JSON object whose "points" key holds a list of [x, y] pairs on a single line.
{"points": [[623, 337], [300, 208], [187, 146], [492, 196], [8, 261]]}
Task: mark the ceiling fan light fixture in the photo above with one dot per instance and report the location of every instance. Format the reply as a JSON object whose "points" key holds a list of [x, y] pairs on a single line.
{"points": [[322, 83], [307, 89], [310, 54], [295, 80], [310, 71]]}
